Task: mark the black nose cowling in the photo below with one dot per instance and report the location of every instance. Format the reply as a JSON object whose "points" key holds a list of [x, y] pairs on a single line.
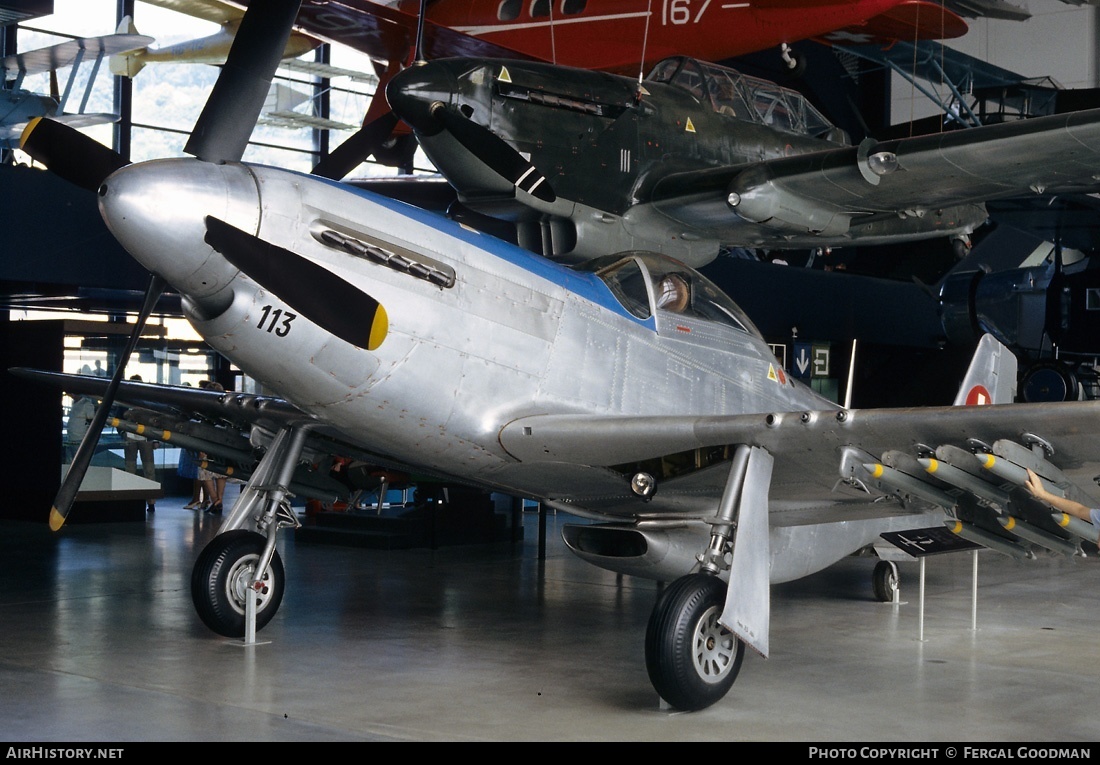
{"points": [[427, 96], [415, 93]]}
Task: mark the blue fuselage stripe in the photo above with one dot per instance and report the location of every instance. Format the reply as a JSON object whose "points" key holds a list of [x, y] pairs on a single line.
{"points": [[584, 284]]}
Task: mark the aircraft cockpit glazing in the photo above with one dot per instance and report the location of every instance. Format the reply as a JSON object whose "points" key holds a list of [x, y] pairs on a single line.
{"points": [[740, 95], [646, 283]]}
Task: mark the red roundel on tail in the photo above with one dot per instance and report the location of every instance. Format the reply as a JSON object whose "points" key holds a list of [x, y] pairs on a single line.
{"points": [[978, 396]]}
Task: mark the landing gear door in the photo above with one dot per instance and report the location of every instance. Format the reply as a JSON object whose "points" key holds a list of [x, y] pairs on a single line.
{"points": [[747, 613]]}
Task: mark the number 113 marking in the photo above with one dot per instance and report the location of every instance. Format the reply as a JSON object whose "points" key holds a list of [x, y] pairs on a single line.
{"points": [[271, 318]]}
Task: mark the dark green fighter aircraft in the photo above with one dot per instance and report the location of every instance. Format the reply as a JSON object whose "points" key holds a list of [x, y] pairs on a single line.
{"points": [[699, 156]]}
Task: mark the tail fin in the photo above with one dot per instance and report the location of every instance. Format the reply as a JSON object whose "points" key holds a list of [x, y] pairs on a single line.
{"points": [[126, 64], [991, 378]]}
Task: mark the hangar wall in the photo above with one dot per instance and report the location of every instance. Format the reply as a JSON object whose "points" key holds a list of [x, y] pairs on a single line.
{"points": [[1059, 40]]}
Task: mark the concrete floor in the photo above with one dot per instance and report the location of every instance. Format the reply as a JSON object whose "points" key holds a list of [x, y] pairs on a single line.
{"points": [[99, 642]]}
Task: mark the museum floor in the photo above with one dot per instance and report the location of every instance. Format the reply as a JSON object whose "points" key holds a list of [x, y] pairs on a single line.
{"points": [[99, 643]]}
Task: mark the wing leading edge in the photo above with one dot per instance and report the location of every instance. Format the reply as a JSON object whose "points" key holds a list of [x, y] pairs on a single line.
{"points": [[267, 411]]}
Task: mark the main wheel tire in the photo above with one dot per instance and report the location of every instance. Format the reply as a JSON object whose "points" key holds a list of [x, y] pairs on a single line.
{"points": [[1049, 381], [692, 660], [222, 578], [794, 65], [884, 580]]}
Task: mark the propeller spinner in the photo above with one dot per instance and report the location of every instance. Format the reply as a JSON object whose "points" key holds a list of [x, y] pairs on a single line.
{"points": [[422, 96]]}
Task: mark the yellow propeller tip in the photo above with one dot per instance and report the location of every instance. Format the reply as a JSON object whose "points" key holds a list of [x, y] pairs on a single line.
{"points": [[57, 520], [379, 328], [31, 125]]}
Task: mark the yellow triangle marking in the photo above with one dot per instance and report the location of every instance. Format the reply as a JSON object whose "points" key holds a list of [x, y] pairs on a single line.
{"points": [[504, 76], [690, 127], [771, 373]]}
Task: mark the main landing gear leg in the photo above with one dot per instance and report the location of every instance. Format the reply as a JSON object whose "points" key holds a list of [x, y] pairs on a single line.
{"points": [[239, 564], [795, 62], [692, 658]]}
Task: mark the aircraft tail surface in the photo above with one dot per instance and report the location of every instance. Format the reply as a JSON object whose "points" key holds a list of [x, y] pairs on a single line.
{"points": [[991, 377], [126, 64]]}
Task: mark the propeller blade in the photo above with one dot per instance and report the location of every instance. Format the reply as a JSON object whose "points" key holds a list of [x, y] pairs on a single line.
{"points": [[418, 48], [495, 152], [70, 154], [66, 495], [335, 305], [229, 116], [362, 144]]}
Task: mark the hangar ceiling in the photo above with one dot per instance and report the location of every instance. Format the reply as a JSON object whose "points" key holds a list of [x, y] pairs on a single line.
{"points": [[12, 11]]}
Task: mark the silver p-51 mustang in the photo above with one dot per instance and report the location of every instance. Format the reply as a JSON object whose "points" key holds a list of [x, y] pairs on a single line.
{"points": [[632, 393]]}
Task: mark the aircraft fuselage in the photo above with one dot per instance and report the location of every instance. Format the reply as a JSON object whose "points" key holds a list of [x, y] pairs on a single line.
{"points": [[512, 335], [629, 30], [646, 165], [17, 108]]}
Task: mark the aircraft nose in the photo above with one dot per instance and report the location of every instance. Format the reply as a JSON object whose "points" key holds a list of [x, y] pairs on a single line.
{"points": [[414, 93], [157, 210]]}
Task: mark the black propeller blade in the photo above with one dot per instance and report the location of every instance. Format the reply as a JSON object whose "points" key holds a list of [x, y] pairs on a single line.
{"points": [[363, 143], [315, 292], [229, 116], [495, 152], [418, 48], [70, 154], [63, 502]]}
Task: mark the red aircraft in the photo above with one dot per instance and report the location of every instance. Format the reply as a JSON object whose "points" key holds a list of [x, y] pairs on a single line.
{"points": [[627, 35]]}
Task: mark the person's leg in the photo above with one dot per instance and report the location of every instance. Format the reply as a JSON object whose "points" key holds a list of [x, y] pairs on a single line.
{"points": [[208, 486], [196, 495], [129, 449], [219, 492], [148, 466]]}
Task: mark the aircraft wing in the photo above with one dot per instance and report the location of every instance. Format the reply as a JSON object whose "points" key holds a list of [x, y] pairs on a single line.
{"points": [[240, 408], [215, 11], [819, 457], [916, 20], [377, 29], [383, 31], [231, 428], [66, 53], [838, 190]]}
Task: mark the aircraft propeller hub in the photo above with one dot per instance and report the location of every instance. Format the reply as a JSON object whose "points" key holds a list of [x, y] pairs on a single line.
{"points": [[170, 240], [418, 93]]}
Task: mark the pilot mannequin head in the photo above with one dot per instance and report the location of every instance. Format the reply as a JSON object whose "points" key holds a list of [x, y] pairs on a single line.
{"points": [[673, 293]]}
